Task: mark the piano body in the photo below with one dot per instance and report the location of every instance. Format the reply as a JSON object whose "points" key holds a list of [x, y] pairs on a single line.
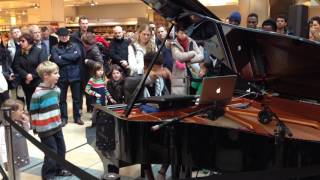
{"points": [[237, 141]]}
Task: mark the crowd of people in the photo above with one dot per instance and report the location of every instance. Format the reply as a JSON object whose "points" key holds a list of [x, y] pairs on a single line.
{"points": [[40, 63]]}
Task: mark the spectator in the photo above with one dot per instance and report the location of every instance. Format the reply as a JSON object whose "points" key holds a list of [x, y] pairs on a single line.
{"points": [[20, 151], [315, 23], [67, 55], [46, 119], [36, 33], [115, 83], [48, 39], [97, 89], [119, 49], [252, 21], [13, 44], [185, 52], [282, 25], [25, 63], [93, 55], [76, 38], [269, 25], [6, 70], [235, 18], [314, 35], [166, 51], [139, 48]]}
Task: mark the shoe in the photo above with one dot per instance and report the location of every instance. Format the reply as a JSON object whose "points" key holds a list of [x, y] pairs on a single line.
{"points": [[64, 172], [80, 122], [48, 178], [63, 124]]}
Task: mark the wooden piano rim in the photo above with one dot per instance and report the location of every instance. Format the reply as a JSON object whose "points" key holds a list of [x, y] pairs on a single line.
{"points": [[284, 118]]}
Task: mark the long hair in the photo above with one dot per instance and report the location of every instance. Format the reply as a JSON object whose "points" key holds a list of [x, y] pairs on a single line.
{"points": [[150, 46]]}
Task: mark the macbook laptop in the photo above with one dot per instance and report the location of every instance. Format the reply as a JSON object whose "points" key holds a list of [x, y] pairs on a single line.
{"points": [[217, 89]]}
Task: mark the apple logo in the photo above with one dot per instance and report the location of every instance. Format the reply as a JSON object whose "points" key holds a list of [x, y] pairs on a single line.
{"points": [[218, 91]]}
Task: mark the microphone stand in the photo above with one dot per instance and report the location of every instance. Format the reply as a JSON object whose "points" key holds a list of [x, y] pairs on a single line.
{"points": [[170, 124], [265, 116]]}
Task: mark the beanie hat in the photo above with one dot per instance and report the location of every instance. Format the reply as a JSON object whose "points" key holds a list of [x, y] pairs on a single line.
{"points": [[235, 16]]}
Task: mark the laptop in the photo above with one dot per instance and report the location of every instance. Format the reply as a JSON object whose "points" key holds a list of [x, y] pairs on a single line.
{"points": [[217, 89]]}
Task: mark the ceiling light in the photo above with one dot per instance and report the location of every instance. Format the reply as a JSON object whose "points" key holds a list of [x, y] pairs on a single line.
{"points": [[93, 3], [218, 2], [36, 6]]}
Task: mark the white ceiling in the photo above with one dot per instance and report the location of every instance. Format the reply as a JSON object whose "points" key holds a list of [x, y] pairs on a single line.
{"points": [[17, 4]]}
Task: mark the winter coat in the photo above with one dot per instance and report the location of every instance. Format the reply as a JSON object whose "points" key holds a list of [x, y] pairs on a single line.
{"points": [[118, 50], [180, 82], [68, 57], [24, 64]]}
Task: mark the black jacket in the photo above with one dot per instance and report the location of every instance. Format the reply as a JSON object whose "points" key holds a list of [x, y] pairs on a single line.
{"points": [[24, 64], [67, 56], [93, 54], [118, 50]]}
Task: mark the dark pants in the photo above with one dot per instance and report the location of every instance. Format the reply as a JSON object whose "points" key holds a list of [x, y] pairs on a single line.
{"points": [[89, 99], [28, 91], [75, 92], [57, 145]]}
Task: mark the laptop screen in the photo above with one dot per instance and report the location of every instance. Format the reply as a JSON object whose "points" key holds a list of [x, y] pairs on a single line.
{"points": [[217, 88]]}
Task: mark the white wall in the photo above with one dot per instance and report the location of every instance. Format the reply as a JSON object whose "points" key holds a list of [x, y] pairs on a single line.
{"points": [[223, 11], [132, 10]]}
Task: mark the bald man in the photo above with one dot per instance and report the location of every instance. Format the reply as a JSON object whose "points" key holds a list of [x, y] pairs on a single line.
{"points": [[119, 48]]}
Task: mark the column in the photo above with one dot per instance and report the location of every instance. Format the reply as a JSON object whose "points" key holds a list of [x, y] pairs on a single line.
{"points": [[260, 7], [51, 10]]}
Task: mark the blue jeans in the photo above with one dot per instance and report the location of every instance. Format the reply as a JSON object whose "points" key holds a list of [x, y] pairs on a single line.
{"points": [[57, 145], [75, 92]]}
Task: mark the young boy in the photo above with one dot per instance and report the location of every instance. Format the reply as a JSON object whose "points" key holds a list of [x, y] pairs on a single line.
{"points": [[46, 119]]}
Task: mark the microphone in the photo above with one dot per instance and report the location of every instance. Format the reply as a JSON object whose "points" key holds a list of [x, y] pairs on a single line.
{"points": [[165, 123]]}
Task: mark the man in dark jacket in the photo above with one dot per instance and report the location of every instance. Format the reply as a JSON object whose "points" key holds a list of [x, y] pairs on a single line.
{"points": [[119, 49], [76, 38], [68, 56]]}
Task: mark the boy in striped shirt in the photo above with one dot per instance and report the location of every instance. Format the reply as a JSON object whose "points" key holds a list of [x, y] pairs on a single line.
{"points": [[46, 120]]}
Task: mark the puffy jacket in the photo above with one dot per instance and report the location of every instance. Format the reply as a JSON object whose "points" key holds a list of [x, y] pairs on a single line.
{"points": [[68, 58]]}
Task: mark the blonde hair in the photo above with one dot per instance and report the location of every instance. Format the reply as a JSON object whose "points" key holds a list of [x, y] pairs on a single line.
{"points": [[46, 67], [150, 46], [13, 104]]}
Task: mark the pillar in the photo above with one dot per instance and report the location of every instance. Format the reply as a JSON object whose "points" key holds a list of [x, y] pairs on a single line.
{"points": [[51, 10], [260, 7]]}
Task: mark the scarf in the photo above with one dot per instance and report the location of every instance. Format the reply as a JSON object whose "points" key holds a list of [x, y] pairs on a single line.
{"points": [[185, 45]]}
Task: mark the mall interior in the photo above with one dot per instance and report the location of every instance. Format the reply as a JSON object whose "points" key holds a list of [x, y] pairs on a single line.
{"points": [[103, 16]]}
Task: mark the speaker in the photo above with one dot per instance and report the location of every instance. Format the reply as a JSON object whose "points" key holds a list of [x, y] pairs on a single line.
{"points": [[298, 20]]}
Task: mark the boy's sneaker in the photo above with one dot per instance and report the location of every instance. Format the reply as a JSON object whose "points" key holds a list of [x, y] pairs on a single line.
{"points": [[64, 172]]}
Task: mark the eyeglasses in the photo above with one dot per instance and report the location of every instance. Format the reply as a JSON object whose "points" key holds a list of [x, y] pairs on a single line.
{"points": [[22, 40]]}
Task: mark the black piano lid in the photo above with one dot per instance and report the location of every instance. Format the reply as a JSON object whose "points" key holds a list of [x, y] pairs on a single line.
{"points": [[287, 65]]}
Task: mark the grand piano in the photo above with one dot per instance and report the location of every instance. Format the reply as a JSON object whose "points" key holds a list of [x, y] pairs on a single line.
{"points": [[277, 129]]}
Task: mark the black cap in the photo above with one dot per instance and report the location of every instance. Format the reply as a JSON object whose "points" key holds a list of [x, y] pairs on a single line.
{"points": [[63, 32]]}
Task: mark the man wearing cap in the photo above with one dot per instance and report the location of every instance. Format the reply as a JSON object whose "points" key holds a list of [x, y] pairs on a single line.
{"points": [[68, 57]]}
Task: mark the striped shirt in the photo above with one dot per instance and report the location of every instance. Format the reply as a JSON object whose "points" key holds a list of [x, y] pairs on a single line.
{"points": [[45, 110], [95, 84]]}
